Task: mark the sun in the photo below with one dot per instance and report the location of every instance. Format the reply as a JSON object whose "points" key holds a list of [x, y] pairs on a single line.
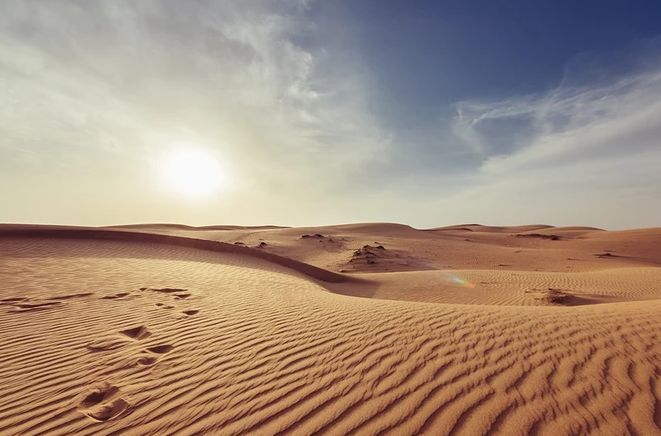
{"points": [[193, 172]]}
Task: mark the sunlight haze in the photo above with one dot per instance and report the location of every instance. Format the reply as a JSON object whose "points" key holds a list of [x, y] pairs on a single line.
{"points": [[322, 117]]}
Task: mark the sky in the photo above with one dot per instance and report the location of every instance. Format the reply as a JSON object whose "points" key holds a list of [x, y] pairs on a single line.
{"points": [[428, 113]]}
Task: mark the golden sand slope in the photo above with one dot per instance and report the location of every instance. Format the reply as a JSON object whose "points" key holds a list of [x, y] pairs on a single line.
{"points": [[100, 337], [520, 248], [519, 288]]}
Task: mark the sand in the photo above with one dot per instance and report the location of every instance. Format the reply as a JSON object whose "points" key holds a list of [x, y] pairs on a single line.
{"points": [[361, 329]]}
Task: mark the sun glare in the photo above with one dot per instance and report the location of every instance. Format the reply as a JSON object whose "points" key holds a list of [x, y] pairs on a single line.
{"points": [[193, 172]]}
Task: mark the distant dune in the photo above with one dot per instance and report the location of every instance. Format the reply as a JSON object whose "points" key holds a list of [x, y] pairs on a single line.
{"points": [[165, 226], [350, 329]]}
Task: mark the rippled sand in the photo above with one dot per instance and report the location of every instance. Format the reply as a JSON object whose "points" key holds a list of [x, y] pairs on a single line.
{"points": [[126, 333]]}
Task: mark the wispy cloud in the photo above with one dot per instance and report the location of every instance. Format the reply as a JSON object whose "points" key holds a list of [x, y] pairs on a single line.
{"points": [[82, 79], [582, 148], [565, 124], [93, 91]]}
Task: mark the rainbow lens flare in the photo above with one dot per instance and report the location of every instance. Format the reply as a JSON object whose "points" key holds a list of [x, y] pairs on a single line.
{"points": [[460, 281]]}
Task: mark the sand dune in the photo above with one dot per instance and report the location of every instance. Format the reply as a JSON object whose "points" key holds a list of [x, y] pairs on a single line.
{"points": [[519, 288], [174, 330], [483, 247]]}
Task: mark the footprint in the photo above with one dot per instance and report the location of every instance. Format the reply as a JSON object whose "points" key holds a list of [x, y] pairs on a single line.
{"points": [[137, 333], [103, 403], [160, 349], [150, 359], [190, 312], [181, 296]]}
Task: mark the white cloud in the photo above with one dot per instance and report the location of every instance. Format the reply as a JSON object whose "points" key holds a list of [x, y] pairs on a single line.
{"points": [[91, 90], [79, 72], [587, 154], [565, 124]]}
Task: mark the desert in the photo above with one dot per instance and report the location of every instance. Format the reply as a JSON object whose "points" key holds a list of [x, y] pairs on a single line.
{"points": [[330, 217], [164, 329]]}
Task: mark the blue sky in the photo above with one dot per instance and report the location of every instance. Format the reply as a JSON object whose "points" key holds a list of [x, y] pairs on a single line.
{"points": [[427, 54], [424, 56], [424, 112]]}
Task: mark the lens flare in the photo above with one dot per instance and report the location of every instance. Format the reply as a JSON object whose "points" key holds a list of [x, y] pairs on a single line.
{"points": [[454, 279]]}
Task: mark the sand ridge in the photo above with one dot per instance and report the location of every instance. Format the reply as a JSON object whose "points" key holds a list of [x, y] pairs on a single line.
{"points": [[148, 335]]}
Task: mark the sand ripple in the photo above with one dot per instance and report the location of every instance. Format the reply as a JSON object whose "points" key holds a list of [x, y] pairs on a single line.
{"points": [[260, 349]]}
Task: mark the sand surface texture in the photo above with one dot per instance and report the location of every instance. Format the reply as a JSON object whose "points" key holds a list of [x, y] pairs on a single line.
{"points": [[350, 329]]}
